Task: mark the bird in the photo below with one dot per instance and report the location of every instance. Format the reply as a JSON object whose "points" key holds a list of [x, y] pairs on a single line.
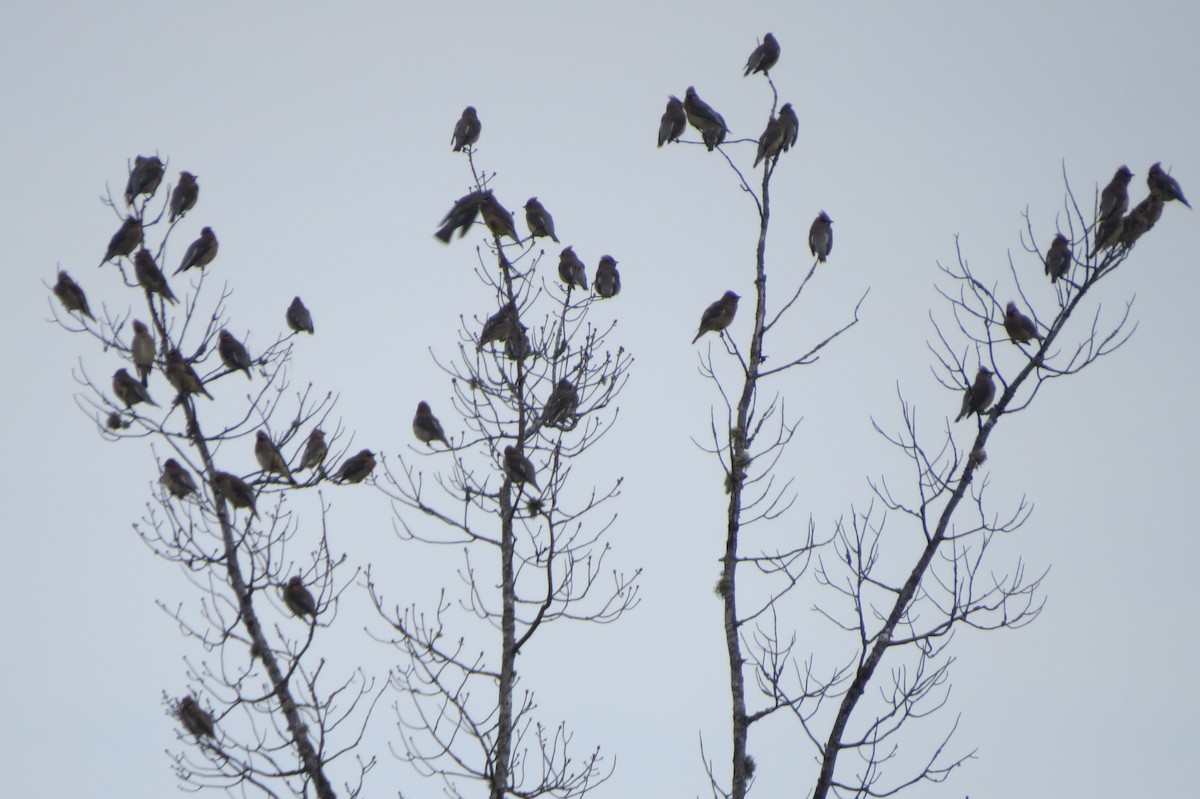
{"points": [[298, 317], [150, 277], [1020, 327], [129, 390], [195, 719], [1058, 258], [315, 450], [770, 143], [763, 57], [517, 346], [270, 458], [607, 282], [177, 479], [704, 119], [1115, 197], [298, 599], [539, 220], [497, 218], [719, 315], [200, 252], [185, 195], [426, 426], [979, 394], [674, 121], [233, 353], [144, 178], [1108, 233], [1144, 216], [519, 468], [460, 217], [561, 404], [142, 350], [356, 468], [124, 241], [235, 491], [1164, 185], [182, 376], [571, 269], [820, 237], [466, 130], [499, 325], [791, 126], [71, 295]]}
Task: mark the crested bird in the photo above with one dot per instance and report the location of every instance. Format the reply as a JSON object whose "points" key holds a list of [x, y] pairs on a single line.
{"points": [[538, 219], [1164, 185], [298, 317], [978, 395], [182, 376], [763, 57], [124, 241], [356, 468], [150, 277], [71, 295], [144, 178], [519, 468], [129, 391], [270, 458], [426, 426], [141, 348], [200, 252], [184, 197], [607, 282], [704, 119], [1058, 258], [571, 269], [177, 480], [1020, 328], [298, 599], [718, 316], [673, 123], [466, 130], [233, 353], [820, 237]]}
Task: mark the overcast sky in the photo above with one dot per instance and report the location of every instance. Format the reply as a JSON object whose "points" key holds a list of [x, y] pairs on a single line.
{"points": [[320, 135]]}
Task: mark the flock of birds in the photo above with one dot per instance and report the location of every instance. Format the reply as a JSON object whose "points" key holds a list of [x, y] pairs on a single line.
{"points": [[1114, 227]]}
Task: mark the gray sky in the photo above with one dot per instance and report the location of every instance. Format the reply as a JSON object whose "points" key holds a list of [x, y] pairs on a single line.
{"points": [[321, 140]]}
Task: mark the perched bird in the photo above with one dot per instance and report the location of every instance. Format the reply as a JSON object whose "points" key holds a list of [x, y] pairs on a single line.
{"points": [[820, 237], [185, 195], [177, 479], [233, 353], [71, 295], [466, 130], [979, 394], [497, 218], [1108, 233], [200, 252], [356, 468], [1144, 216], [144, 178], [561, 404], [719, 315], [426, 426], [499, 325], [1058, 258], [763, 57], [674, 121], [539, 220], [195, 719], [704, 119], [791, 126], [770, 143], [235, 491], [607, 282], [1114, 199], [124, 241], [299, 601], [298, 317], [182, 376], [517, 345], [142, 350], [270, 458], [571, 269], [129, 390], [519, 468], [150, 277], [460, 217], [315, 450], [1164, 185], [1019, 326]]}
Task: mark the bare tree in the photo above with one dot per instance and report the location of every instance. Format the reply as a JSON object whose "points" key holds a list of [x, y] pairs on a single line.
{"points": [[534, 384], [897, 598], [749, 435], [1005, 344], [260, 714]]}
